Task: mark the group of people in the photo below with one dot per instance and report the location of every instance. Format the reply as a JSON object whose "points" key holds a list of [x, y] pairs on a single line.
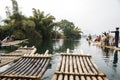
{"points": [[98, 38], [107, 40]]}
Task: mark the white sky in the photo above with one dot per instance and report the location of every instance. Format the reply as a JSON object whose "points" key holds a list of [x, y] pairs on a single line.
{"points": [[92, 16]]}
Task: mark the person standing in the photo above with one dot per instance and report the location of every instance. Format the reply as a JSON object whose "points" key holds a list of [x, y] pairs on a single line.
{"points": [[116, 36]]}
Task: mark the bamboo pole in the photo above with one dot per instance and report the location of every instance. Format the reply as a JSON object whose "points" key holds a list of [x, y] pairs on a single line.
{"points": [[66, 68], [75, 67], [46, 52], [94, 66], [81, 55], [71, 68], [83, 65], [28, 66], [82, 78], [105, 78], [44, 68], [33, 51], [68, 50], [100, 78], [32, 68], [54, 77], [21, 67], [19, 76], [60, 77], [94, 78], [91, 66], [79, 65], [78, 74], [14, 66], [38, 66], [88, 78], [87, 66]]}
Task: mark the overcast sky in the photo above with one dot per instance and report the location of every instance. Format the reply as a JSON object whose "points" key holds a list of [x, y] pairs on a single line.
{"points": [[92, 16]]}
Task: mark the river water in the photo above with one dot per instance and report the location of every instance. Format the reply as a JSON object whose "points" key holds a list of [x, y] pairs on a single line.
{"points": [[108, 61]]}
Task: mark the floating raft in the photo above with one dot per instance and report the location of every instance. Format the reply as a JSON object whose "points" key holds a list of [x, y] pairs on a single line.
{"points": [[113, 47], [12, 56], [29, 67], [4, 59], [4, 44], [110, 47], [77, 67]]}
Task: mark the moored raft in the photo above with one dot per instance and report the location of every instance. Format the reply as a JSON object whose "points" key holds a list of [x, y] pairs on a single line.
{"points": [[113, 47], [77, 67], [12, 43], [105, 46], [29, 67], [12, 56]]}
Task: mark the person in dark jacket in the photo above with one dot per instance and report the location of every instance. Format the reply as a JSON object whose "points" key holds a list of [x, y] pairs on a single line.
{"points": [[116, 36]]}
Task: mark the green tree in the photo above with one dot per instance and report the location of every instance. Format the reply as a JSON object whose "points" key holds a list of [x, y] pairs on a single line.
{"points": [[18, 24], [43, 23], [69, 29], [39, 25], [14, 21]]}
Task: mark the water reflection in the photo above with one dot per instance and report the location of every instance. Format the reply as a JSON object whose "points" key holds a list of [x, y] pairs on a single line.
{"points": [[106, 50], [71, 44], [115, 59], [89, 43], [41, 46], [59, 45]]}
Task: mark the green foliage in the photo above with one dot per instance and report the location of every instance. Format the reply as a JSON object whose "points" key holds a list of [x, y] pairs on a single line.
{"points": [[69, 29], [5, 31], [37, 26], [28, 25], [43, 23], [15, 7], [19, 34]]}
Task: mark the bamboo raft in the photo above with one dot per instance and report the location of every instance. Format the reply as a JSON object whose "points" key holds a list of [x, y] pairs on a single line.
{"points": [[29, 67], [7, 58], [113, 47], [110, 47], [77, 67], [4, 44]]}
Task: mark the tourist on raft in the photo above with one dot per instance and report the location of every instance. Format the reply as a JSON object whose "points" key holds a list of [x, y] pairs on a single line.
{"points": [[116, 36]]}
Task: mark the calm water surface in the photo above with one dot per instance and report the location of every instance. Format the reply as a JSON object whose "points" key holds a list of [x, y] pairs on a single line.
{"points": [[108, 61]]}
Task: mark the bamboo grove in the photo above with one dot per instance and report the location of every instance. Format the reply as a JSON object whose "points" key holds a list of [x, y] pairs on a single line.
{"points": [[37, 26]]}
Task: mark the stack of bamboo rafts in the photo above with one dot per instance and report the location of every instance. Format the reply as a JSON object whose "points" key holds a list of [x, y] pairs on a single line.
{"points": [[12, 56], [29, 67], [77, 67]]}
